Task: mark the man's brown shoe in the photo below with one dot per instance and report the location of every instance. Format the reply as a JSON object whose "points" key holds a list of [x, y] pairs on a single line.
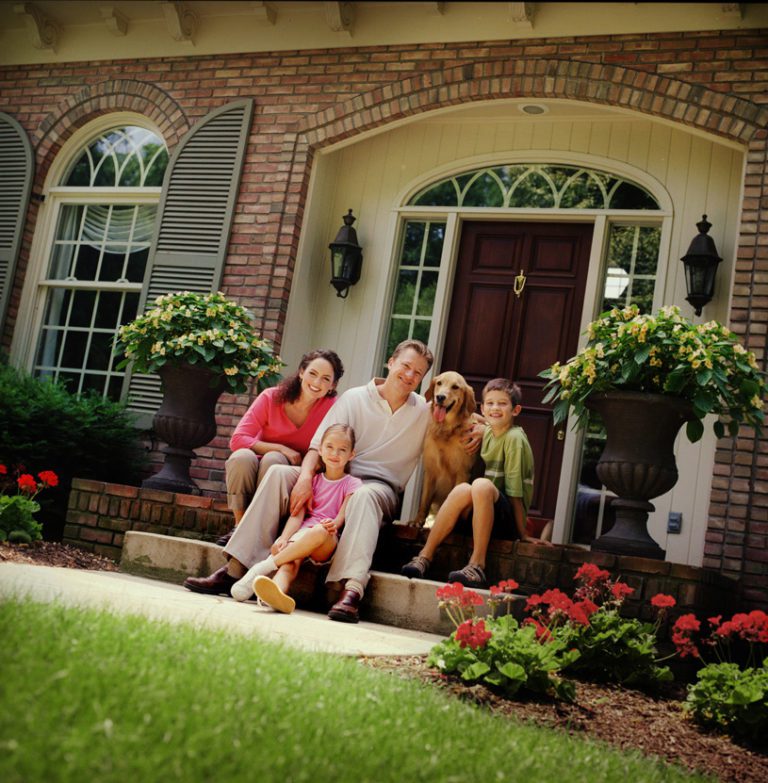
{"points": [[218, 583], [346, 609]]}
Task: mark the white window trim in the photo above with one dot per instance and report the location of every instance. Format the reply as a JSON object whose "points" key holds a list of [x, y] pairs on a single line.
{"points": [[32, 301]]}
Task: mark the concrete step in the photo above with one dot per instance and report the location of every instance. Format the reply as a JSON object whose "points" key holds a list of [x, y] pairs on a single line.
{"points": [[390, 599]]}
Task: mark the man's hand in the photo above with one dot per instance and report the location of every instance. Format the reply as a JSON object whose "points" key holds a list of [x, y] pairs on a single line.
{"points": [[472, 437], [301, 496]]}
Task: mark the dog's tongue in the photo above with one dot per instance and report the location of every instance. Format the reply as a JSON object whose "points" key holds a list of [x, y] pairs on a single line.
{"points": [[438, 414]]}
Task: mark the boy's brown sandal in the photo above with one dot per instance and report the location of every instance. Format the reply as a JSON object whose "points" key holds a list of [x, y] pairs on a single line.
{"points": [[416, 568]]}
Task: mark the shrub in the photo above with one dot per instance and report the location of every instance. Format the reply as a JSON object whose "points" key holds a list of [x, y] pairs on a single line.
{"points": [[44, 427], [612, 648], [732, 699], [497, 651]]}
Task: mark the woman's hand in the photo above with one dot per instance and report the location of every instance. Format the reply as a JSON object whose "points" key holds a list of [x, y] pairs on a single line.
{"points": [[301, 495], [293, 456]]}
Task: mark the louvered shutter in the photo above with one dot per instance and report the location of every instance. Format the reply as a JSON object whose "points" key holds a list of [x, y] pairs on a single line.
{"points": [[16, 169], [194, 220]]}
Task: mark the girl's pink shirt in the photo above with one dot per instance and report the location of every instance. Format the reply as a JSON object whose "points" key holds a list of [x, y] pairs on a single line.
{"points": [[266, 421]]}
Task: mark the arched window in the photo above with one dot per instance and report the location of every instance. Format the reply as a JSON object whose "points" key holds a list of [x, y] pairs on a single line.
{"points": [[105, 208], [538, 186]]}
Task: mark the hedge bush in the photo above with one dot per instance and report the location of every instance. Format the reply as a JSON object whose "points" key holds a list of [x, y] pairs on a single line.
{"points": [[45, 427]]}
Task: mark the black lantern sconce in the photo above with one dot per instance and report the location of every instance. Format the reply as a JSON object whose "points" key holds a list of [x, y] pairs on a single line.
{"points": [[346, 257], [700, 263]]}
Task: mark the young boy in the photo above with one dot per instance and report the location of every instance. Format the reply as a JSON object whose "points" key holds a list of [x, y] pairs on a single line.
{"points": [[498, 502]]}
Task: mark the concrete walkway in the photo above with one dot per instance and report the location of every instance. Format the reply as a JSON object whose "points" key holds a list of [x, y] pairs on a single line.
{"points": [[120, 592]]}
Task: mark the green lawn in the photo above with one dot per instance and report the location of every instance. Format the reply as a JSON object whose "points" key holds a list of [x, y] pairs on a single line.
{"points": [[89, 697]]}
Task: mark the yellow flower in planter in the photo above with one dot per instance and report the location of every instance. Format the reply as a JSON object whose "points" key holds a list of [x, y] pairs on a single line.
{"points": [[203, 329], [662, 354]]}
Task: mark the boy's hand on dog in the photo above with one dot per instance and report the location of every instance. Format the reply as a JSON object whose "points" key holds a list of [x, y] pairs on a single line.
{"points": [[472, 438]]}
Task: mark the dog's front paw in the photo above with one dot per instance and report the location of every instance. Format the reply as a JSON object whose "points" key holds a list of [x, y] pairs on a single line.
{"points": [[418, 523]]}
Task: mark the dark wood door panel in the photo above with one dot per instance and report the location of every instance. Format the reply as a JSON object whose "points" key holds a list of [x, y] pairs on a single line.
{"points": [[493, 333]]}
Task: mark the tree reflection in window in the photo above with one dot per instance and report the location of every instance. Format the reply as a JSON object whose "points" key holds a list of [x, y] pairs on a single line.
{"points": [[128, 157], [538, 186]]}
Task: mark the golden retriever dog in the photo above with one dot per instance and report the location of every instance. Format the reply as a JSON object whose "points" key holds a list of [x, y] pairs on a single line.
{"points": [[446, 463]]}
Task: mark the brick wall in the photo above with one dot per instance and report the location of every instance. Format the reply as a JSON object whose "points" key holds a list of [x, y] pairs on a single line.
{"points": [[308, 99], [99, 515]]}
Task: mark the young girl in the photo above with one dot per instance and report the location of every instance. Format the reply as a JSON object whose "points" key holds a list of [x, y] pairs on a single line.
{"points": [[314, 536]]}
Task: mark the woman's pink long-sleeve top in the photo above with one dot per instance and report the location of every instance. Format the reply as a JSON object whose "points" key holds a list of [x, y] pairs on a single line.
{"points": [[266, 421]]}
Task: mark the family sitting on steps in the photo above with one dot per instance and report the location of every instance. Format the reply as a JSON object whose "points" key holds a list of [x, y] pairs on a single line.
{"points": [[341, 465]]}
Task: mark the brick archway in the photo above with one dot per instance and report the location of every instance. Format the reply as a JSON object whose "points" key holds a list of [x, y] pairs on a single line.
{"points": [[95, 100], [611, 85]]}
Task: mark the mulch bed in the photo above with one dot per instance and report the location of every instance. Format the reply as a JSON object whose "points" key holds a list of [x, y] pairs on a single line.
{"points": [[627, 719], [624, 718]]}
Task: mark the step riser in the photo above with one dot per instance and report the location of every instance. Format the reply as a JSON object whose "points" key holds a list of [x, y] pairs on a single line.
{"points": [[390, 599]]}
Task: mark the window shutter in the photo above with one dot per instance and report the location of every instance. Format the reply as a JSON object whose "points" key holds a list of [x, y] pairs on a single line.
{"points": [[194, 220], [16, 169]]}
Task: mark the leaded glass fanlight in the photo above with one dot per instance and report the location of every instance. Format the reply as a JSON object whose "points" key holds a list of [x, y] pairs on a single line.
{"points": [[538, 186], [127, 157]]}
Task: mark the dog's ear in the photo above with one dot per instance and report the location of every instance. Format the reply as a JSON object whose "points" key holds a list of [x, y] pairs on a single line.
{"points": [[430, 391], [470, 406]]}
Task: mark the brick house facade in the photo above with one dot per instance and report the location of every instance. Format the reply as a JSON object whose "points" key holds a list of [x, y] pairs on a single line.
{"points": [[308, 100]]}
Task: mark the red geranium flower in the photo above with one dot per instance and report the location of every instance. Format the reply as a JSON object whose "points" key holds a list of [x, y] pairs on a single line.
{"points": [[49, 478], [591, 574], [620, 591], [662, 601], [472, 633], [3, 470], [453, 590], [505, 586], [687, 622], [470, 598], [27, 483]]}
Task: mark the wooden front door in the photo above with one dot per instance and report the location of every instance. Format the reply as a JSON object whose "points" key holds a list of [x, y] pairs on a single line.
{"points": [[494, 333]]}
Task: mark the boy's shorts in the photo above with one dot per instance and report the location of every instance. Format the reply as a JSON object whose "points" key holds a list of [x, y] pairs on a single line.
{"points": [[504, 526]]}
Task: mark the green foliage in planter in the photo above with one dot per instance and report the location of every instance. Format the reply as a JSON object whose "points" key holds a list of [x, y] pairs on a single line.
{"points": [[43, 426], [733, 699]]}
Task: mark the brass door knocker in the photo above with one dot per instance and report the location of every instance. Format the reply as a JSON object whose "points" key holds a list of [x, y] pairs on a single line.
{"points": [[519, 284]]}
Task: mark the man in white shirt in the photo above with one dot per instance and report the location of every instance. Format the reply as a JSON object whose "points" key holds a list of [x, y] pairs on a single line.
{"points": [[390, 420]]}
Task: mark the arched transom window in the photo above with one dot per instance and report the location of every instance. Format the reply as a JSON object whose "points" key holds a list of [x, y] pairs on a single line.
{"points": [[537, 186]]}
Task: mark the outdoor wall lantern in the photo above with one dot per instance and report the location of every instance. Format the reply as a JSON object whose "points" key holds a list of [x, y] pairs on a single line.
{"points": [[700, 263], [346, 257]]}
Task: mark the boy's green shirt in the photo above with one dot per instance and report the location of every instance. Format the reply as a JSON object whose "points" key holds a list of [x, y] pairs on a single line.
{"points": [[509, 463]]}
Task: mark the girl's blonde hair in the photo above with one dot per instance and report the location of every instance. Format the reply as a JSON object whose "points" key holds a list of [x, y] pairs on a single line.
{"points": [[344, 429]]}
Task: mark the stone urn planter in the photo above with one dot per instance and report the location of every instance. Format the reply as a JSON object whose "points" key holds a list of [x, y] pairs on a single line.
{"points": [[637, 463], [185, 421]]}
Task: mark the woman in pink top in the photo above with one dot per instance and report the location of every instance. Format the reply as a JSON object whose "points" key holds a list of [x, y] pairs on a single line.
{"points": [[277, 428]]}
